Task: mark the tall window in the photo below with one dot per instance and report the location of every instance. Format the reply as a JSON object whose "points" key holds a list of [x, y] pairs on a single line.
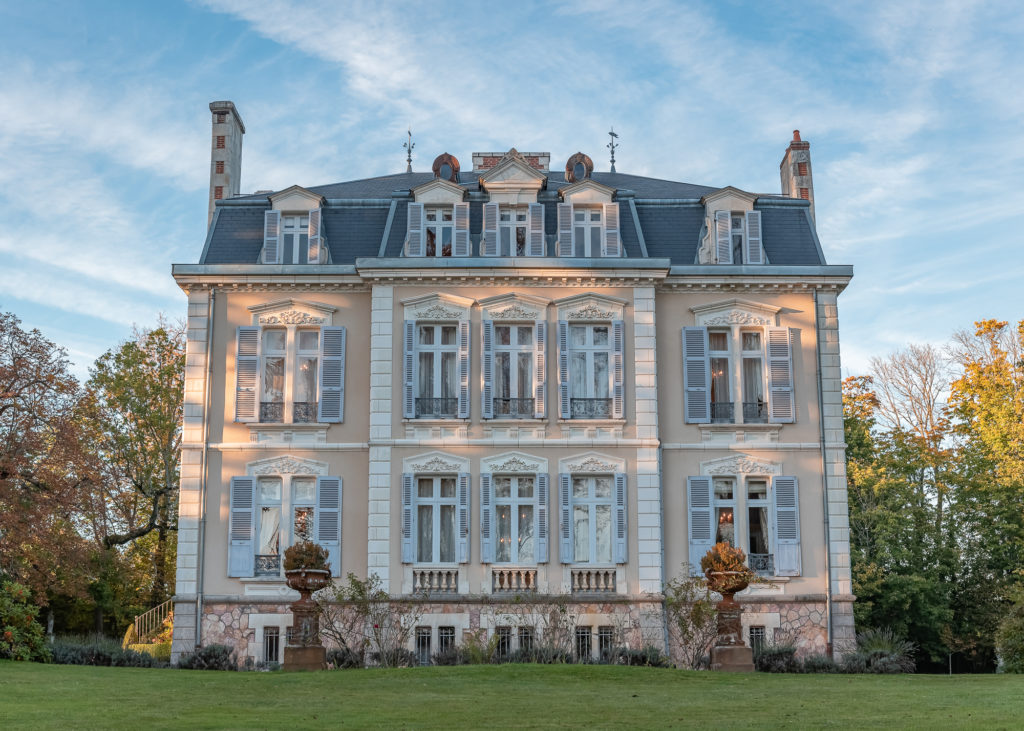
{"points": [[721, 375], [273, 372], [440, 230], [268, 528], [590, 377], [437, 383], [423, 645], [737, 238], [445, 639], [289, 372], [605, 642], [512, 225], [435, 519], [295, 233], [755, 409], [725, 510], [589, 229], [271, 644], [514, 505], [584, 648], [303, 500], [513, 370], [526, 638], [758, 527], [503, 646], [307, 358], [592, 519]]}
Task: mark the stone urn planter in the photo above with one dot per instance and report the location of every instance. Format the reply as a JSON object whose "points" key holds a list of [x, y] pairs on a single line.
{"points": [[304, 650], [727, 574]]}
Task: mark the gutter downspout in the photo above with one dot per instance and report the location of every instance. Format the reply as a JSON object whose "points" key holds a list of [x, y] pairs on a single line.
{"points": [[205, 470], [824, 477]]}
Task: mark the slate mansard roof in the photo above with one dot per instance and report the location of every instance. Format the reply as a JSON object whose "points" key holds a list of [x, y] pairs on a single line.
{"points": [[658, 219]]}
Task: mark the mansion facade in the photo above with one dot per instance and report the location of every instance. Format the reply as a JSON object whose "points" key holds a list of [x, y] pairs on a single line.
{"points": [[512, 381]]}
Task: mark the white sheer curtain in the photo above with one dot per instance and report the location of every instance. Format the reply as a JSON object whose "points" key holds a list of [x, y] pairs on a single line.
{"points": [[270, 530]]}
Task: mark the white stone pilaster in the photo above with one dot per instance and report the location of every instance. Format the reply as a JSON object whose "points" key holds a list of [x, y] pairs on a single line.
{"points": [[648, 479], [378, 542]]}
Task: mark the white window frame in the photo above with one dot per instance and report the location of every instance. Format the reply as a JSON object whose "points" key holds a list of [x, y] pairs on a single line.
{"points": [[438, 350], [761, 417], [514, 502], [291, 354], [593, 220], [589, 350], [288, 504], [435, 501], [740, 503], [515, 352], [434, 220], [295, 226], [511, 218], [726, 415], [737, 235], [591, 501]]}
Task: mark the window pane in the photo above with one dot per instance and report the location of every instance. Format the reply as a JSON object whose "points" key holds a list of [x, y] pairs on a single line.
{"points": [[273, 340], [446, 214], [578, 376], [273, 379], [600, 336], [525, 376], [449, 384], [758, 530], [431, 241], [270, 530], [723, 489], [600, 375], [603, 487], [503, 550], [305, 382], [581, 526], [720, 380], [502, 487], [506, 242], [426, 334], [753, 385], [270, 489], [431, 214], [502, 380], [581, 241], [309, 340], [447, 487], [502, 335], [447, 533], [425, 526], [425, 487], [525, 487], [579, 487], [577, 335], [580, 215], [520, 241], [446, 241], [526, 534], [718, 341], [751, 341], [757, 490], [525, 335], [303, 530], [595, 241], [726, 528], [595, 216], [603, 533], [304, 489], [426, 376]]}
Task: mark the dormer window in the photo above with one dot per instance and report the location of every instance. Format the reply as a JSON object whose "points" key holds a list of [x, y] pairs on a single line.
{"points": [[738, 237], [440, 230], [512, 226], [295, 232], [513, 230], [589, 230], [589, 226]]}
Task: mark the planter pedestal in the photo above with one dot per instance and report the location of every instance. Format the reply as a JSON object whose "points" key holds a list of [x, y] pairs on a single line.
{"points": [[730, 659], [305, 658], [730, 653], [304, 650]]}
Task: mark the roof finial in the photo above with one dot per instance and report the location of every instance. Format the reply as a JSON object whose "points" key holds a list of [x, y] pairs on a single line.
{"points": [[612, 145], [409, 145]]}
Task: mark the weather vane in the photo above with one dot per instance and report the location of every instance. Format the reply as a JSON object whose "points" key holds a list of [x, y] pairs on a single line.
{"points": [[612, 145], [409, 145]]}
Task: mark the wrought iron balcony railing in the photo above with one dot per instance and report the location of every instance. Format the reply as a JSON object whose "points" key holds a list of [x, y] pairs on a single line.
{"points": [[440, 407], [304, 412], [755, 412], [722, 412], [590, 408], [520, 407], [271, 412], [762, 564], [268, 565]]}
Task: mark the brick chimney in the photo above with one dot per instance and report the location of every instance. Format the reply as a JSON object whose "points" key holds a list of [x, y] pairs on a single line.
{"points": [[795, 171], [225, 153]]}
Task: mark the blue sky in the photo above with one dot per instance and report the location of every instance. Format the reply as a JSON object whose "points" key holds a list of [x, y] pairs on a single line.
{"points": [[913, 111]]}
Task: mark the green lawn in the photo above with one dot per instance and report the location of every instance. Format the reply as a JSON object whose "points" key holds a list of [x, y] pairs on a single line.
{"points": [[54, 696]]}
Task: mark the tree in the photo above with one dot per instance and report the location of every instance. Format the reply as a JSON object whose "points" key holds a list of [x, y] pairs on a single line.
{"points": [[135, 407]]}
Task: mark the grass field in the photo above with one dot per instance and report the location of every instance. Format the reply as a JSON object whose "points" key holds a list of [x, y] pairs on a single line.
{"points": [[58, 696]]}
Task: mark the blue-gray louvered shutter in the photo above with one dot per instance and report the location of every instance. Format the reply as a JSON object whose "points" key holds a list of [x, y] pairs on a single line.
{"points": [[566, 244], [696, 376], [542, 537], [242, 527], [565, 517], [754, 254], [247, 374], [489, 243], [540, 370], [328, 520], [272, 237], [487, 365], [463, 370], [315, 238], [787, 526], [408, 354], [332, 375], [408, 520], [462, 545], [618, 369], [461, 247], [486, 518], [700, 520], [723, 236], [563, 369], [619, 538], [612, 241], [535, 233], [781, 409], [415, 232]]}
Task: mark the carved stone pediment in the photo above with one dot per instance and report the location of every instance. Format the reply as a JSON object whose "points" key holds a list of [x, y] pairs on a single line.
{"points": [[287, 465], [590, 307], [735, 312], [514, 462], [740, 464], [514, 307], [591, 463], [591, 312], [292, 311], [435, 462], [437, 312], [439, 306], [291, 317]]}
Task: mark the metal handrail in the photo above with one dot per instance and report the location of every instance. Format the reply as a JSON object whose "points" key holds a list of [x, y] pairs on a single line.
{"points": [[149, 622]]}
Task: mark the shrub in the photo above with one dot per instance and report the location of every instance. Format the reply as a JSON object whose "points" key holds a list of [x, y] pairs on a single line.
{"points": [[305, 555], [102, 651], [454, 655], [343, 658], [210, 657], [778, 657], [692, 619], [885, 652], [398, 657], [648, 656], [1010, 637], [820, 664], [160, 651], [541, 655], [21, 637]]}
